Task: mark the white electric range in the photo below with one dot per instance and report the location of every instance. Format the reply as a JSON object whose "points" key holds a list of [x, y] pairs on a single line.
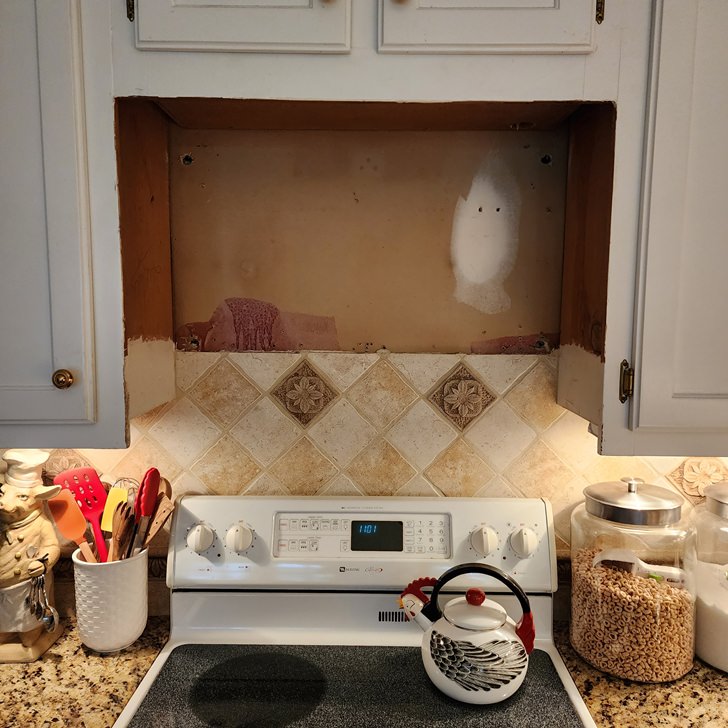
{"points": [[285, 612]]}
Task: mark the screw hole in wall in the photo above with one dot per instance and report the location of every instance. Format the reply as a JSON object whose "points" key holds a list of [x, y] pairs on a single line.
{"points": [[187, 159]]}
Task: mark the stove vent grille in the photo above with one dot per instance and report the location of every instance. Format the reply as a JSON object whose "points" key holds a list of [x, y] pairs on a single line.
{"points": [[394, 615]]}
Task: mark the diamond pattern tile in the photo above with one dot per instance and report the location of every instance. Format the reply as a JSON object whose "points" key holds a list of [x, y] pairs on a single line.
{"points": [[304, 469], [421, 435], [264, 369], [341, 433], [226, 469], [423, 370], [189, 366], [534, 397], [304, 394], [539, 473], [459, 471], [461, 397], [381, 395], [224, 393], [418, 487], [141, 456], [500, 372], [380, 469], [341, 485], [266, 484], [342, 368]]}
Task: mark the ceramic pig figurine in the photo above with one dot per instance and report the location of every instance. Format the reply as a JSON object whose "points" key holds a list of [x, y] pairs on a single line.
{"points": [[28, 548]]}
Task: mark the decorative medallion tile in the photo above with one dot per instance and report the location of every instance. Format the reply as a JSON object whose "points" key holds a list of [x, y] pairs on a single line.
{"points": [[341, 485], [423, 370], [500, 435], [226, 469], [224, 393], [60, 460], [189, 366], [342, 368], [141, 456], [418, 487], [501, 371], [461, 397], [381, 395], [380, 469], [264, 368], [304, 469], [421, 435], [304, 394], [185, 432], [534, 397], [341, 433], [266, 484], [692, 477], [540, 473], [265, 431], [459, 471]]}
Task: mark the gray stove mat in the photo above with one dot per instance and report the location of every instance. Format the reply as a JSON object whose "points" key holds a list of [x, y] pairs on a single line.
{"points": [[272, 686]]}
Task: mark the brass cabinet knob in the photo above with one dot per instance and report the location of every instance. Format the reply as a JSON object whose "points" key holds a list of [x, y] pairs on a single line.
{"points": [[62, 378]]}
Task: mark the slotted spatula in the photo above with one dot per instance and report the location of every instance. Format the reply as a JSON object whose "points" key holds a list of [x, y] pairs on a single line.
{"points": [[70, 522], [90, 495]]}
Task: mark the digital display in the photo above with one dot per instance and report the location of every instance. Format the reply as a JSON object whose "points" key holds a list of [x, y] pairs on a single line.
{"points": [[376, 535]]}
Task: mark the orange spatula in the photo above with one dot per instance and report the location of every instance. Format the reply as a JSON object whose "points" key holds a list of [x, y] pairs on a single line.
{"points": [[70, 522]]}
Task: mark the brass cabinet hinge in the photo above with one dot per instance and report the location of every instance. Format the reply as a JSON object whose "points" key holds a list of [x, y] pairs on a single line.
{"points": [[600, 10], [626, 381], [130, 10]]}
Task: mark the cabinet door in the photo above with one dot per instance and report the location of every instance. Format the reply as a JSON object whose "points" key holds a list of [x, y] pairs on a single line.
{"points": [[299, 26], [48, 307], [486, 26], [682, 363]]}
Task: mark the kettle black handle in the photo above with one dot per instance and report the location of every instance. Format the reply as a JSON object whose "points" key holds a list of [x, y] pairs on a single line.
{"points": [[525, 629]]}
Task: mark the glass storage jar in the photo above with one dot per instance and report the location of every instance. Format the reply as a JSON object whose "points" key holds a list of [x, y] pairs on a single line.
{"points": [[708, 559], [632, 602]]}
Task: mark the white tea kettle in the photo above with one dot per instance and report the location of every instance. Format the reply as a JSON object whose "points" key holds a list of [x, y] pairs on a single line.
{"points": [[473, 652]]}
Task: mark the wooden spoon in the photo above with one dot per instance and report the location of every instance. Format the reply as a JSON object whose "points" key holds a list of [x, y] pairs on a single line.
{"points": [[121, 529], [162, 511]]}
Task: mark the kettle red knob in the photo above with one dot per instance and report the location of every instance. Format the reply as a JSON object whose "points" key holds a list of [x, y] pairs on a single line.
{"points": [[475, 596]]}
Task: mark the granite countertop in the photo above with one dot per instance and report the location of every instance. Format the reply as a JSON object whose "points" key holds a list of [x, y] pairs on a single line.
{"points": [[73, 686]]}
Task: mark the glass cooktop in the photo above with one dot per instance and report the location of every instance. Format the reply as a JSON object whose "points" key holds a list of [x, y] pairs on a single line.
{"points": [[272, 686]]}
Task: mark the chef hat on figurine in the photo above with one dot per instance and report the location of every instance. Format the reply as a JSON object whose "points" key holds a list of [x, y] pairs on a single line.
{"points": [[25, 467]]}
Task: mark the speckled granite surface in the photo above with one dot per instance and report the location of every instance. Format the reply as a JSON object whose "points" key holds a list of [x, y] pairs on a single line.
{"points": [[72, 686]]}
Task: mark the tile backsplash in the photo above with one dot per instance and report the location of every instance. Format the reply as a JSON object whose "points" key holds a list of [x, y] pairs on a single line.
{"points": [[341, 424]]}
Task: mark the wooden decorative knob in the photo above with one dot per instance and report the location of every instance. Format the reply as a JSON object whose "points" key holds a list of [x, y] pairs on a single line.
{"points": [[62, 378]]}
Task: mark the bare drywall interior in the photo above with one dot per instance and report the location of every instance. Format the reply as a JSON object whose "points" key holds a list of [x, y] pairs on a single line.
{"points": [[411, 240]]}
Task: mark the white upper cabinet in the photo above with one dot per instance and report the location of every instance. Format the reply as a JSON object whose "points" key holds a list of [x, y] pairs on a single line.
{"points": [[280, 26], [682, 364], [486, 26], [47, 306]]}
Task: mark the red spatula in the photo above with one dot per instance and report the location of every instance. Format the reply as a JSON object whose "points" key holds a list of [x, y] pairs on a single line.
{"points": [[89, 493]]}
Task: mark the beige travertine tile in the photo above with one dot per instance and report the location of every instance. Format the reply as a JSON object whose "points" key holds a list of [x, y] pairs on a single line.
{"points": [[664, 464], [534, 397], [148, 419], [459, 471], [266, 484], [570, 439], [144, 454], [498, 488], [381, 395], [187, 484], [540, 473], [461, 397], [264, 368], [342, 368], [423, 370], [226, 469], [224, 393], [501, 371], [380, 469], [189, 366], [500, 435], [341, 433], [564, 502], [265, 431], [421, 435], [418, 487], [304, 469], [341, 485], [607, 467], [185, 431], [104, 461]]}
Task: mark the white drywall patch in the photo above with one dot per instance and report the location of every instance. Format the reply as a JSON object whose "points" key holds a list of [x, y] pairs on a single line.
{"points": [[484, 241]]}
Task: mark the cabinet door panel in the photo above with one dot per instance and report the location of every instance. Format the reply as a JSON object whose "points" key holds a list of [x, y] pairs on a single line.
{"points": [[684, 357], [45, 293], [486, 26], [302, 26]]}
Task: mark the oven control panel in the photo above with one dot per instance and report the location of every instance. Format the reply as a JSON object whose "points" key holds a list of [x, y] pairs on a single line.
{"points": [[258, 542]]}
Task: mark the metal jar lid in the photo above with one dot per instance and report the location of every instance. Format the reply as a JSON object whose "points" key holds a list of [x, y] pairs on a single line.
{"points": [[716, 499], [633, 502]]}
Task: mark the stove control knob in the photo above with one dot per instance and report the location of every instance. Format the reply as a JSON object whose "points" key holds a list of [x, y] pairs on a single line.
{"points": [[200, 537], [484, 540], [524, 542], [239, 537]]}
